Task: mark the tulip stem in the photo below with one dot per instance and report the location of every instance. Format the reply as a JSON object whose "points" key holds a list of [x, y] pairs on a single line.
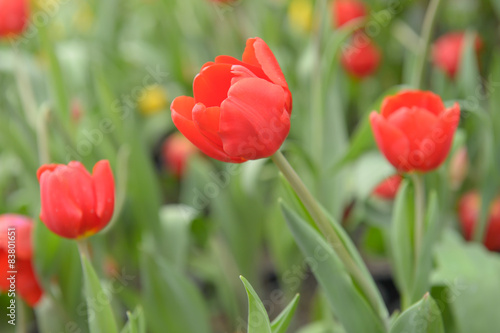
{"points": [[418, 183], [427, 29], [21, 324], [323, 223]]}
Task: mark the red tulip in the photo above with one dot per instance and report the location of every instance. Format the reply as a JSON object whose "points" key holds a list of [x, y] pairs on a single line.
{"points": [[17, 230], [240, 110], [414, 130], [76, 204], [448, 49], [388, 188], [469, 209], [344, 11], [176, 151], [362, 57], [14, 16]]}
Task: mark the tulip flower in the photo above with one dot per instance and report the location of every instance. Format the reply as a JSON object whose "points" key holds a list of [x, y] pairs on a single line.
{"points": [[16, 240], [176, 151], [362, 57], [447, 52], [388, 188], [458, 168], [14, 16], [153, 100], [469, 210], [344, 11], [76, 204], [240, 110], [415, 130]]}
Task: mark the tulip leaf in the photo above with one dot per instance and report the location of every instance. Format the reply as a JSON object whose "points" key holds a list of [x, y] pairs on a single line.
{"points": [[422, 317], [171, 299], [468, 72], [258, 321], [346, 301], [282, 321], [136, 322], [100, 314], [371, 169], [401, 239], [469, 274]]}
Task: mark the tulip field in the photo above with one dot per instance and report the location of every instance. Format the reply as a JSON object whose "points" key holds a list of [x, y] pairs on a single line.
{"points": [[260, 166]]}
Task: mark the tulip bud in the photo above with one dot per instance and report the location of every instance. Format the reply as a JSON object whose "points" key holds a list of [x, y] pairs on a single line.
{"points": [[176, 151], [17, 230], [344, 11], [153, 100], [240, 110], [14, 16], [300, 15], [447, 52], [415, 130], [459, 166], [388, 188], [362, 57], [76, 204], [469, 210]]}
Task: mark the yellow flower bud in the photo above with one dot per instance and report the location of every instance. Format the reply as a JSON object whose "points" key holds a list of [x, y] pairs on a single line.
{"points": [[153, 100]]}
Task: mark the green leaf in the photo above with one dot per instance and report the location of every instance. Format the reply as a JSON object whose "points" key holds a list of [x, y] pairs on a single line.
{"points": [[348, 305], [468, 73], [401, 239], [370, 169], [469, 274], [282, 321], [258, 321], [100, 314], [422, 317], [136, 322], [171, 299]]}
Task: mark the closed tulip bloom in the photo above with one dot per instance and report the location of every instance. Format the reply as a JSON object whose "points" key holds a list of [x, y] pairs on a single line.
{"points": [[176, 151], [388, 188], [415, 130], [18, 230], [469, 210], [447, 52], [240, 110], [76, 204], [362, 57], [14, 16], [344, 11]]}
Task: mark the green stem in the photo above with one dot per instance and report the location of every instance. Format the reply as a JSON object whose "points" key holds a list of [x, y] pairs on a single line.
{"points": [[427, 29], [418, 183], [326, 228], [22, 316]]}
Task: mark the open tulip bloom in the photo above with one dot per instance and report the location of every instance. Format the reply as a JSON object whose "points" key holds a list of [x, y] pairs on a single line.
{"points": [[240, 110], [414, 130]]}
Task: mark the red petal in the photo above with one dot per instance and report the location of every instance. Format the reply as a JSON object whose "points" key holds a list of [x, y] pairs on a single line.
{"points": [[23, 228], [223, 59], [254, 121], [183, 106], [207, 121], [104, 186], [46, 167], [59, 212], [211, 85], [257, 53], [413, 98], [27, 283], [188, 128], [391, 141]]}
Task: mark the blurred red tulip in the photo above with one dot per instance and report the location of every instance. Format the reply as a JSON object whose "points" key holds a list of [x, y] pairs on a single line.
{"points": [[469, 210], [76, 204], [26, 282], [388, 188], [176, 151], [14, 16], [362, 57], [447, 52], [459, 166], [240, 110], [344, 11], [414, 130]]}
